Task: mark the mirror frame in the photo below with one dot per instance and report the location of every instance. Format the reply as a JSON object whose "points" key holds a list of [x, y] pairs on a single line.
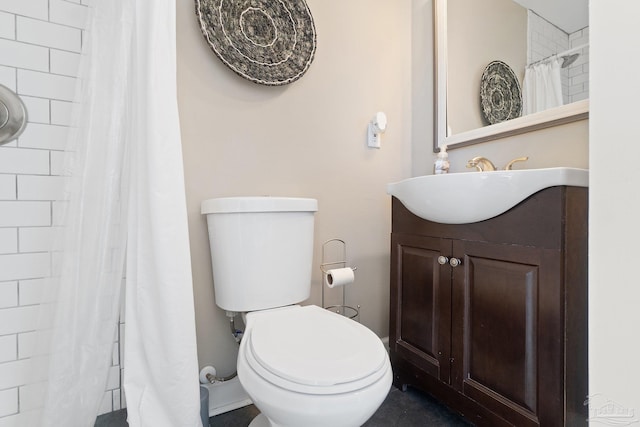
{"points": [[552, 117]]}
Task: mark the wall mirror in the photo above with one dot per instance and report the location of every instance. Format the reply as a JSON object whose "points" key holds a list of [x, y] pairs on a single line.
{"points": [[532, 40]]}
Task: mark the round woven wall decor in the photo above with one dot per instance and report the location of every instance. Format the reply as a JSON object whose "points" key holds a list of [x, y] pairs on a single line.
{"points": [[270, 42], [500, 94]]}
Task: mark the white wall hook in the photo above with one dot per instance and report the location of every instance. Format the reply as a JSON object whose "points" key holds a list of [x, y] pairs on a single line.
{"points": [[377, 126]]}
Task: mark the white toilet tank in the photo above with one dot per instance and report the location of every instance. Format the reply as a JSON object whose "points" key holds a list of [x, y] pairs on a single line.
{"points": [[261, 250]]}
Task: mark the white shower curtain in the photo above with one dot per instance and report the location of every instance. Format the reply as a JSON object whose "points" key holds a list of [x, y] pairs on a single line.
{"points": [[125, 198], [542, 87]]}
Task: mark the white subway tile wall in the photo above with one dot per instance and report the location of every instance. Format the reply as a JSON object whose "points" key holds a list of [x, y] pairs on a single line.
{"points": [[61, 113], [38, 109], [46, 85], [40, 44], [8, 294], [65, 63], [8, 77], [7, 187], [8, 402], [48, 34], [579, 70], [38, 9], [24, 55], [7, 25], [8, 241], [545, 39], [26, 343], [8, 348]]}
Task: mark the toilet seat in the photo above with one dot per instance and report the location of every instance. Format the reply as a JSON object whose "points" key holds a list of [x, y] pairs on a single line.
{"points": [[312, 350]]}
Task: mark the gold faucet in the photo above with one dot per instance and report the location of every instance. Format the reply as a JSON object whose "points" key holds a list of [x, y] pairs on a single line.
{"points": [[481, 164], [519, 159]]}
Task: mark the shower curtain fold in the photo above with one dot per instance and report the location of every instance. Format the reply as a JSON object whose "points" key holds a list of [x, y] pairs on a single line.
{"points": [[124, 198], [542, 87], [161, 371]]}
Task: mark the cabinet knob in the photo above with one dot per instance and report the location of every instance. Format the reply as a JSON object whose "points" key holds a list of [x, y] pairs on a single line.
{"points": [[454, 262], [442, 260]]}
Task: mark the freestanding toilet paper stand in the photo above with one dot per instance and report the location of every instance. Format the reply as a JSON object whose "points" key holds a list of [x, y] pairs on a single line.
{"points": [[343, 309]]}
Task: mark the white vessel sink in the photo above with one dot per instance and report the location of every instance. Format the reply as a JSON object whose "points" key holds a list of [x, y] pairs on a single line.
{"points": [[461, 198]]}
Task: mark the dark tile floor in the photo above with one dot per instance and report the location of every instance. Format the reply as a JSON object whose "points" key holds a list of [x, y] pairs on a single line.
{"points": [[400, 409]]}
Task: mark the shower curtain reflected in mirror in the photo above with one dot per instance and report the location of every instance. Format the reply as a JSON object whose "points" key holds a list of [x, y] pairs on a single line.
{"points": [[124, 201], [542, 87]]}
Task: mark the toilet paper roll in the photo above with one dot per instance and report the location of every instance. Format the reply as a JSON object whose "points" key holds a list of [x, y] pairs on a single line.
{"points": [[339, 277]]}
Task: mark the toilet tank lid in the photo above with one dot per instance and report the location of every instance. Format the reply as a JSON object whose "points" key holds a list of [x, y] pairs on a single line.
{"points": [[258, 204]]}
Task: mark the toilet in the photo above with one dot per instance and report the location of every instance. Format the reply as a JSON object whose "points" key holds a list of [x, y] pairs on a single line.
{"points": [[302, 366]]}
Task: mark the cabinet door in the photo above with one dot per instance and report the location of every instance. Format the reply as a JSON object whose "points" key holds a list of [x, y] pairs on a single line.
{"points": [[506, 331], [421, 303]]}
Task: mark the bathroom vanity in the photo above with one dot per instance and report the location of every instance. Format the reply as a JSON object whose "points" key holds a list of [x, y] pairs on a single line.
{"points": [[490, 317]]}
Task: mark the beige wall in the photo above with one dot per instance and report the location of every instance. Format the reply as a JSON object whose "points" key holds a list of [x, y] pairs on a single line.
{"points": [[480, 32], [306, 139], [558, 146]]}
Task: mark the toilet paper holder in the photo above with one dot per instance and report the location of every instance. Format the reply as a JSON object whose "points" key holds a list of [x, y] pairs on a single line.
{"points": [[325, 266]]}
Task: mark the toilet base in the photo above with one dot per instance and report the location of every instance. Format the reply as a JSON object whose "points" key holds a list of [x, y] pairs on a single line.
{"points": [[261, 421]]}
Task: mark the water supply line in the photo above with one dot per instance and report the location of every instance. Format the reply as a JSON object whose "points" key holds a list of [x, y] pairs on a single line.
{"points": [[208, 374], [237, 333]]}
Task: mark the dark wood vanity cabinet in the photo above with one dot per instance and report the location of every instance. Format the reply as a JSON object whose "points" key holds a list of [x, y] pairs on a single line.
{"points": [[491, 317]]}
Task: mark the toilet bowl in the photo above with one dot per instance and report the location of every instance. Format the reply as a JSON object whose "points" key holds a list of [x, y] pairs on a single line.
{"points": [[306, 366]]}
